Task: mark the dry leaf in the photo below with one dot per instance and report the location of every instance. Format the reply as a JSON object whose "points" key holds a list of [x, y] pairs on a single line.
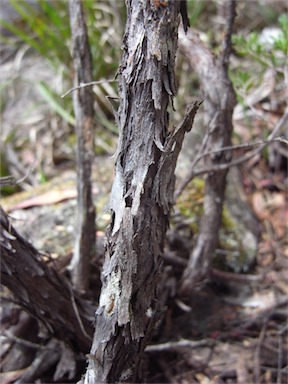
{"points": [[47, 198]]}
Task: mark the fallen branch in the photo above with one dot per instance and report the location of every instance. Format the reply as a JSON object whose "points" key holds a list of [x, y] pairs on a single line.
{"points": [[41, 291]]}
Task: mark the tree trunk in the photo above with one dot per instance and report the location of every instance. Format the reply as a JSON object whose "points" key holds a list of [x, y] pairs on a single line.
{"points": [[219, 104], [41, 291], [84, 112], [142, 192]]}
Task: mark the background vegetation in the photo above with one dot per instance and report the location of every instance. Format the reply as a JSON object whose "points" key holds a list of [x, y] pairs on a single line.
{"points": [[38, 145]]}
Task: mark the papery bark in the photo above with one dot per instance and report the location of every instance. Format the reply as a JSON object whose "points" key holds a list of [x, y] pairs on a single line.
{"points": [[142, 192]]}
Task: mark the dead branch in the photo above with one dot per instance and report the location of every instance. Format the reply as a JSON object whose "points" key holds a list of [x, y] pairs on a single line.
{"points": [[41, 291]]}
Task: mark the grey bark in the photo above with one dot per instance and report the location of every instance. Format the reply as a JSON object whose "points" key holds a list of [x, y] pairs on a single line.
{"points": [[42, 291], [84, 112], [219, 103], [142, 192]]}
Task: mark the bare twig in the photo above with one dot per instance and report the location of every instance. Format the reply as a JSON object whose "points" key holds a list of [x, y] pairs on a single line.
{"points": [[178, 345], [7, 180], [237, 277], [75, 308], [27, 343], [18, 167], [243, 146], [219, 167], [215, 274], [10, 180], [280, 354], [171, 258], [83, 85], [257, 352]]}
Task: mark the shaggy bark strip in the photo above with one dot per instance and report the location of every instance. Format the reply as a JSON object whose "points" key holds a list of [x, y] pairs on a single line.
{"points": [[142, 192], [219, 102], [84, 112], [42, 291]]}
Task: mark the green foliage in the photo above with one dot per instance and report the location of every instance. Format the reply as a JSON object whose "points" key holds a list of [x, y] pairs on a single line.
{"points": [[272, 52], [45, 28], [281, 43], [263, 53], [54, 102], [195, 10]]}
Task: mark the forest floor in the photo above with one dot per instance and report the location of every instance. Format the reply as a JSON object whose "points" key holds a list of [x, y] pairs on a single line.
{"points": [[233, 328]]}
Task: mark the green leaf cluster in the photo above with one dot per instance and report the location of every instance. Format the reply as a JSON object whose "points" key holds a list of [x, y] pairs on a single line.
{"points": [[44, 27], [262, 53], [41, 27]]}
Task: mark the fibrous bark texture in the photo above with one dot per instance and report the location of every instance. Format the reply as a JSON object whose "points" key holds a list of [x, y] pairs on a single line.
{"points": [[142, 192], [42, 291], [219, 102], [84, 112]]}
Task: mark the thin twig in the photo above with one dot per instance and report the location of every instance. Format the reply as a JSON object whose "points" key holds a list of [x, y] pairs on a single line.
{"points": [[7, 180], [13, 160], [237, 277], [171, 257], [27, 343], [280, 354], [83, 85], [257, 352], [220, 167], [243, 146], [10, 180], [201, 149], [176, 345], [216, 274], [77, 313]]}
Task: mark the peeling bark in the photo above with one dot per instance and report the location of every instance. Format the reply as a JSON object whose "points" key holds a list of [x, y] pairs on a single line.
{"points": [[42, 291], [219, 103], [142, 192], [84, 112]]}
